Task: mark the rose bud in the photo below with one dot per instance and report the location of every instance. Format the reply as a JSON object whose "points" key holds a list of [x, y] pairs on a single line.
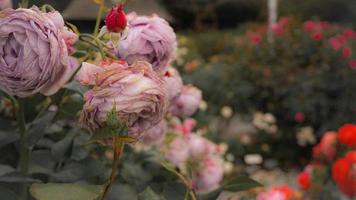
{"points": [[200, 147], [174, 83], [115, 20], [134, 94], [176, 151], [155, 134], [150, 39], [34, 54], [187, 103], [209, 176]]}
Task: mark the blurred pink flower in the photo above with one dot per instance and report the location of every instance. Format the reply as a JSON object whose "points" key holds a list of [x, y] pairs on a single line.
{"points": [[155, 134], [200, 147], [328, 145], [174, 83], [255, 38], [149, 39], [299, 117], [208, 177], [177, 151], [310, 26], [186, 127], [349, 33], [187, 103], [33, 45], [317, 36], [135, 94], [271, 195], [334, 43], [352, 64], [346, 52]]}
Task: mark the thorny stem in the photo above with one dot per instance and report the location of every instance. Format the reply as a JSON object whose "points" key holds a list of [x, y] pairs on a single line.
{"points": [[118, 149], [184, 179], [24, 151]]}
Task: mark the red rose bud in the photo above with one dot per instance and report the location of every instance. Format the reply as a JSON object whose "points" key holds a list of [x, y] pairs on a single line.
{"points": [[115, 20]]}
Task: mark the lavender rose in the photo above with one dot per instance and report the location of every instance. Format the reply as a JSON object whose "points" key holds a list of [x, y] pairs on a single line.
{"points": [[135, 94], [150, 39], [174, 83], [155, 134], [187, 103], [33, 52]]}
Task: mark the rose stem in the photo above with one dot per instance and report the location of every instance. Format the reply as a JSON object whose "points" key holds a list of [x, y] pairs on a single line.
{"points": [[98, 19], [24, 151], [118, 149]]}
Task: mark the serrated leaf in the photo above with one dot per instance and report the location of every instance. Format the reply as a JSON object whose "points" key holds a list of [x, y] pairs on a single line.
{"points": [[149, 194], [241, 183], [67, 191]]}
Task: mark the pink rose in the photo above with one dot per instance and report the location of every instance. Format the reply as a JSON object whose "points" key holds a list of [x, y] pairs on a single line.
{"points": [[200, 147], [33, 46], [186, 127], [135, 93], [5, 4], [271, 195], [150, 39], [177, 151], [208, 177], [174, 83], [155, 134], [187, 103]]}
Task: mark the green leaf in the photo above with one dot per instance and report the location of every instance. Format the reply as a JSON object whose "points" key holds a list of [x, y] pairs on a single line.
{"points": [[75, 86], [7, 194], [174, 191], [63, 148], [149, 194], [241, 183], [122, 192], [100, 134], [67, 191], [38, 128]]}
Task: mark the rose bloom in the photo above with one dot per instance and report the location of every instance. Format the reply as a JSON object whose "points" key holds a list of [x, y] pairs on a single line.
{"points": [[176, 151], [200, 147], [317, 36], [255, 38], [186, 127], [346, 52], [174, 83], [334, 43], [349, 33], [155, 134], [187, 103], [347, 135], [310, 26], [208, 177], [304, 181], [288, 192], [344, 173], [328, 145], [135, 94], [34, 53], [150, 39]]}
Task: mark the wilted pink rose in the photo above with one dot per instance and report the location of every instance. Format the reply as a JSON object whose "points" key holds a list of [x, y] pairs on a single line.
{"points": [[135, 93], [5, 4], [155, 134], [150, 39], [174, 83], [208, 177], [34, 56], [177, 151], [187, 103]]}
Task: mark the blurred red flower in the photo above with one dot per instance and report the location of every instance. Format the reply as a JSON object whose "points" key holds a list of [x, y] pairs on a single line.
{"points": [[347, 135], [344, 173], [304, 180]]}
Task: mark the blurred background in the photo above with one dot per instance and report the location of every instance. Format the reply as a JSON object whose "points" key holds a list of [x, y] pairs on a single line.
{"points": [[270, 92]]}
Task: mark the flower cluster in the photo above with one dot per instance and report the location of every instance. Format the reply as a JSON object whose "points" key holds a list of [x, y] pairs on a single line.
{"points": [[328, 152]]}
